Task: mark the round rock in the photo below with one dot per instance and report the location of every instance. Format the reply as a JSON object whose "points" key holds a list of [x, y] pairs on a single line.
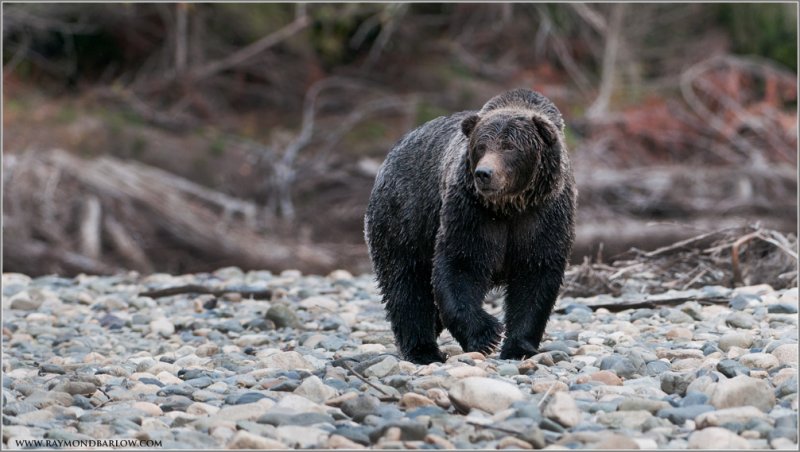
{"points": [[485, 394]]}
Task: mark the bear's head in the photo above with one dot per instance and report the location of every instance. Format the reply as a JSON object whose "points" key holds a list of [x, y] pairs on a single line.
{"points": [[513, 157]]}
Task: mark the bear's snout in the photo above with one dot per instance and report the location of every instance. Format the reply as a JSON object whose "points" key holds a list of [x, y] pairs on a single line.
{"points": [[489, 176], [483, 175]]}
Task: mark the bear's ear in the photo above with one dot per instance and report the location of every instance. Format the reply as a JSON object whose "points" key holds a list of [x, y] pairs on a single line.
{"points": [[468, 125], [545, 130]]}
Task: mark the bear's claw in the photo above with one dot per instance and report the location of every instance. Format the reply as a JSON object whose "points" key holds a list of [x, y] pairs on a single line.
{"points": [[483, 336], [425, 355], [518, 349]]}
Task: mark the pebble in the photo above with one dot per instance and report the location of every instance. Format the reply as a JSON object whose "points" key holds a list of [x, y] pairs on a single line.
{"points": [[360, 407], [246, 440], [680, 415], [740, 415], [486, 394], [731, 368], [240, 373], [315, 390], [163, 327], [410, 401], [637, 404], [283, 316], [735, 339], [287, 361], [740, 320], [562, 409], [619, 365], [759, 361], [786, 353], [742, 391], [716, 438]]}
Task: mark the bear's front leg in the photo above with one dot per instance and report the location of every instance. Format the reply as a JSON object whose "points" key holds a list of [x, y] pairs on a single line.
{"points": [[530, 296], [459, 293]]}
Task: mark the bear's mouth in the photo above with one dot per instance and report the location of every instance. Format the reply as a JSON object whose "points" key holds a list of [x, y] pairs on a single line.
{"points": [[488, 192]]}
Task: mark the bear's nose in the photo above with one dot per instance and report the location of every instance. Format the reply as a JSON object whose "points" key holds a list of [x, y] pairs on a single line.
{"points": [[483, 175]]}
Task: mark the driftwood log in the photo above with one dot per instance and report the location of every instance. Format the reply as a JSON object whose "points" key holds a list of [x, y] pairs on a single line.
{"points": [[64, 214]]}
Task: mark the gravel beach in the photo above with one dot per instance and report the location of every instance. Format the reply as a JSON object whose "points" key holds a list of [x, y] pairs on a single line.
{"points": [[313, 365]]}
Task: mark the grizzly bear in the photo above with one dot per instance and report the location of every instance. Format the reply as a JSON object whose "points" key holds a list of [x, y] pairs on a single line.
{"points": [[465, 203]]}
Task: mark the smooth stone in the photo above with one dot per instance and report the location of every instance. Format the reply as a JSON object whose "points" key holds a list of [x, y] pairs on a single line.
{"points": [[507, 370], [358, 434], [740, 320], [735, 339], [162, 327], [782, 308], [245, 440], [382, 368], [315, 390], [298, 436], [408, 431], [360, 407], [606, 377], [637, 403], [76, 387], [656, 368], [51, 369], [309, 419], [509, 442], [319, 302], [340, 442], [201, 409], [786, 353], [283, 316], [287, 361], [632, 420], [175, 403], [759, 360], [180, 390], [716, 438], [620, 365], [486, 394], [679, 415], [247, 397], [562, 409], [694, 398], [743, 391], [732, 368], [718, 418], [675, 316], [44, 399], [675, 383], [542, 386], [23, 301], [151, 409], [787, 387], [247, 411], [411, 400]]}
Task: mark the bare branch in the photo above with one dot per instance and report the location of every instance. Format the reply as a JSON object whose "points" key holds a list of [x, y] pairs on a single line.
{"points": [[248, 52], [600, 105], [90, 227]]}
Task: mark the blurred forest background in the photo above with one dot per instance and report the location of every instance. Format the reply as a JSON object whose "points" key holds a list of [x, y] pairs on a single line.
{"points": [[185, 137]]}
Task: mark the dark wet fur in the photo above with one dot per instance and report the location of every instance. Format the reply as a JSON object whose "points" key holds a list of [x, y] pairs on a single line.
{"points": [[438, 246]]}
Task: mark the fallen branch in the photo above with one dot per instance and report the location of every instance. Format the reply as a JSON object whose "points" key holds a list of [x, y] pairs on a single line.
{"points": [[624, 305], [388, 397], [198, 289]]}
